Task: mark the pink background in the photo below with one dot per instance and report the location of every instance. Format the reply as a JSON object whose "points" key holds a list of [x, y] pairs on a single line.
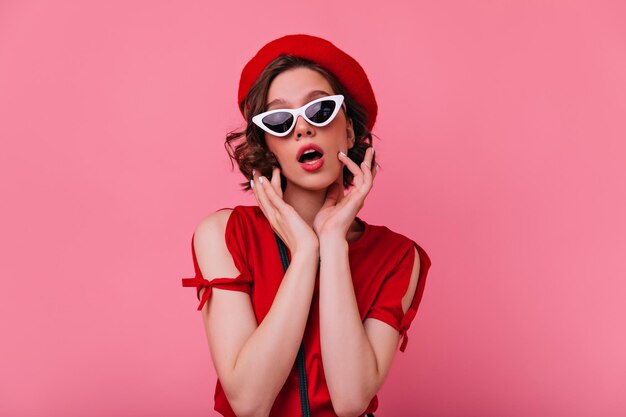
{"points": [[503, 152]]}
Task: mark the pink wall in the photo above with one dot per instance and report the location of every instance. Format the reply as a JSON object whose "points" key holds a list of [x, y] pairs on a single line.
{"points": [[502, 142]]}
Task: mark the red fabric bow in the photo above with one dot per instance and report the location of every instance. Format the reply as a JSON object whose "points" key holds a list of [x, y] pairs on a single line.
{"points": [[405, 326], [200, 283]]}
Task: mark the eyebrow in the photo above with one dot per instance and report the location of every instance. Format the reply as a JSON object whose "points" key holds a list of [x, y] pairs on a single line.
{"points": [[311, 95]]}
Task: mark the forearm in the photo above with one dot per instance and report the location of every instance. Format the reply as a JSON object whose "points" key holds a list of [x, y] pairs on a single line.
{"points": [[267, 357], [348, 357]]}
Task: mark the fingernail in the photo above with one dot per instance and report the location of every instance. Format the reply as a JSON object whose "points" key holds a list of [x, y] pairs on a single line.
{"points": [[253, 171], [376, 167], [261, 180], [372, 151], [251, 183], [341, 152]]}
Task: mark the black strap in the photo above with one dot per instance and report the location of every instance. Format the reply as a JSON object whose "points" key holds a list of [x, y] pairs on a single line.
{"points": [[304, 393]]}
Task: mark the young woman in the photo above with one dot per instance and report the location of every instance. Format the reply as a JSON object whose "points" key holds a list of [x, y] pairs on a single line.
{"points": [[304, 303]]}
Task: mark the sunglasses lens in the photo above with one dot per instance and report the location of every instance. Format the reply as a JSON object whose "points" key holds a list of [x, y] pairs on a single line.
{"points": [[321, 111], [278, 122]]}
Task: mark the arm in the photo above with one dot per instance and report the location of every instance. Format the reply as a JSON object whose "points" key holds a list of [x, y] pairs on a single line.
{"points": [[235, 340], [356, 356]]}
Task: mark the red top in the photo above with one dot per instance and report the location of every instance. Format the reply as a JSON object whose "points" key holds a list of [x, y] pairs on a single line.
{"points": [[381, 262]]}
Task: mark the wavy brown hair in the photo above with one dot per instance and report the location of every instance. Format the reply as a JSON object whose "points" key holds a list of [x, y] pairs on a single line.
{"points": [[248, 148]]}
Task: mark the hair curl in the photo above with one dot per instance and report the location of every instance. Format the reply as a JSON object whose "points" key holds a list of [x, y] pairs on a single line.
{"points": [[247, 147]]}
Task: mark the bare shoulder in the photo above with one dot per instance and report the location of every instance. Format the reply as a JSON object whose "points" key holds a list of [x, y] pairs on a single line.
{"points": [[210, 246], [212, 224], [407, 299]]}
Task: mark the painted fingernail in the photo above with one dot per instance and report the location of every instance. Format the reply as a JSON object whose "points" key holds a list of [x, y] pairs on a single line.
{"points": [[343, 154], [261, 180], [251, 183]]}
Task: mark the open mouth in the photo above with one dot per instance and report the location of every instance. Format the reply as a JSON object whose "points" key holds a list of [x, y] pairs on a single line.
{"points": [[310, 156]]}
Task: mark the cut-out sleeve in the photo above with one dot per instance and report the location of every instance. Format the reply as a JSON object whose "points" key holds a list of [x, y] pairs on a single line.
{"points": [[387, 305], [241, 282]]}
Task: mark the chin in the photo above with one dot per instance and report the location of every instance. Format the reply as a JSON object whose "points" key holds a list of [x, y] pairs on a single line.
{"points": [[317, 183]]}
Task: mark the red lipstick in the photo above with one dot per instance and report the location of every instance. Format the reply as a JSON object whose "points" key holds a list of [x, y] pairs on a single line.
{"points": [[307, 147], [311, 164]]}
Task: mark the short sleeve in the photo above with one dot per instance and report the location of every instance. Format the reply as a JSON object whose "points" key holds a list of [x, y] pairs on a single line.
{"points": [[241, 282], [387, 305]]}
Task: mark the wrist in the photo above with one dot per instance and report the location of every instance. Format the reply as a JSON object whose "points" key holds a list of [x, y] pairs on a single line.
{"points": [[332, 240], [308, 252]]}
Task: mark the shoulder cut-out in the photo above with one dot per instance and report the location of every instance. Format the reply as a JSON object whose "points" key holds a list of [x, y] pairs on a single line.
{"points": [[407, 300]]}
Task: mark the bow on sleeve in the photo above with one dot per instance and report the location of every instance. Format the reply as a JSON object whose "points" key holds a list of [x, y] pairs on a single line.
{"points": [[200, 283], [406, 321]]}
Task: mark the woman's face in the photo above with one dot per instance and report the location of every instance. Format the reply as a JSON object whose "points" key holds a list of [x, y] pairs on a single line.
{"points": [[292, 89]]}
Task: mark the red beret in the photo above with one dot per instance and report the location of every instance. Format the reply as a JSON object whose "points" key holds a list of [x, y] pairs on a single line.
{"points": [[345, 68]]}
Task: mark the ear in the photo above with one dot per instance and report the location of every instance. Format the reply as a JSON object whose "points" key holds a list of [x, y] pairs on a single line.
{"points": [[350, 133]]}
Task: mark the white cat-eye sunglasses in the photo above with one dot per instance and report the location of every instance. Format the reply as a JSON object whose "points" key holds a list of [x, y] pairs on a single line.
{"points": [[319, 112]]}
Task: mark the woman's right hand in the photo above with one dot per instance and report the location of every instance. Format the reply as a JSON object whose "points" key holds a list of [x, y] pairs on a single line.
{"points": [[284, 219]]}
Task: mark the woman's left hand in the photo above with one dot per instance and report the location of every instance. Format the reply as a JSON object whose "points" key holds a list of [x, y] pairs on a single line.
{"points": [[339, 211]]}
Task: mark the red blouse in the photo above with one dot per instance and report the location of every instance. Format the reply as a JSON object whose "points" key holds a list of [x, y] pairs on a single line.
{"points": [[380, 261]]}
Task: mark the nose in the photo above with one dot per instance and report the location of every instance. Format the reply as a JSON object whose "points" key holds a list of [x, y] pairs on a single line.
{"points": [[303, 128]]}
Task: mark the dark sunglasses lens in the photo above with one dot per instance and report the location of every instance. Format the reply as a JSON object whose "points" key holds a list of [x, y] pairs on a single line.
{"points": [[320, 111], [278, 122]]}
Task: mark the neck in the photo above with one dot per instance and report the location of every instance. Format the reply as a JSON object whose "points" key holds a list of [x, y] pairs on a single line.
{"points": [[307, 203]]}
